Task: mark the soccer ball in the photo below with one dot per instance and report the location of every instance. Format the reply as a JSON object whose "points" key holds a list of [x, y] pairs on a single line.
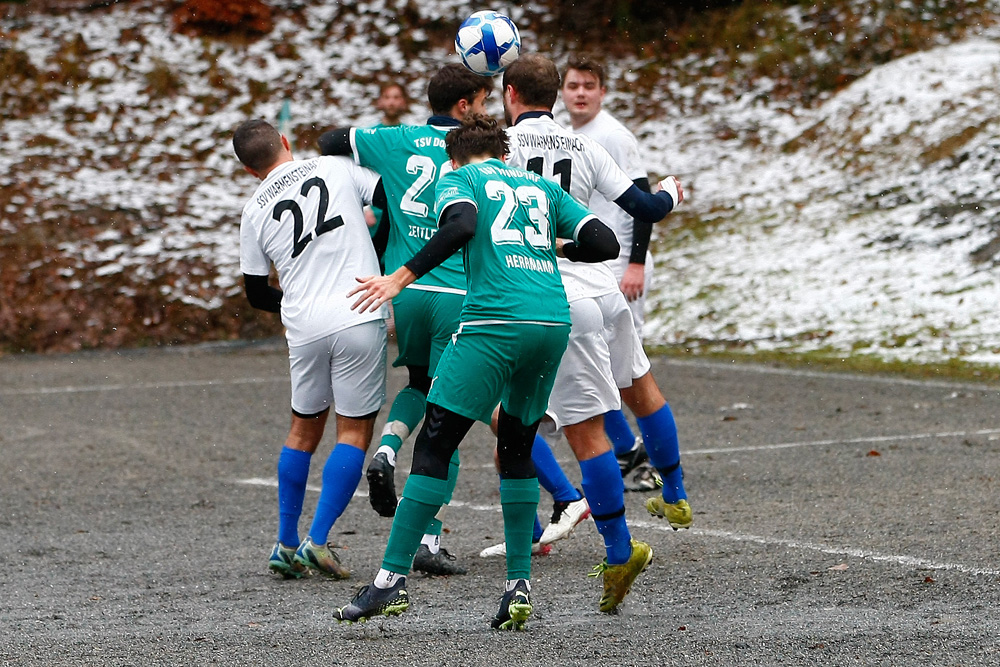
{"points": [[488, 42]]}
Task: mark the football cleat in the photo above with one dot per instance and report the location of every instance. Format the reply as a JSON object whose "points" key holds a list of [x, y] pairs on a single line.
{"points": [[565, 517], [515, 608], [618, 579], [382, 485], [322, 559], [441, 563], [537, 549], [282, 561], [370, 600], [677, 514]]}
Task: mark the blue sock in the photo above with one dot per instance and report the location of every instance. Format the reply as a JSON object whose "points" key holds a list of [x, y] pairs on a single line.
{"points": [[619, 432], [341, 475], [293, 473], [550, 474], [605, 491], [536, 532], [659, 431]]}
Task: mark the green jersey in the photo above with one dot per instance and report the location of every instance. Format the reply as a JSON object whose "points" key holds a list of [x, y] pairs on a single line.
{"points": [[510, 262], [410, 159]]}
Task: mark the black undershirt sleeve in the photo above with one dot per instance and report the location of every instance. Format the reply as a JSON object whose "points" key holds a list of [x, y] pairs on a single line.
{"points": [[336, 142], [261, 295], [641, 231], [456, 226], [381, 237], [595, 242]]}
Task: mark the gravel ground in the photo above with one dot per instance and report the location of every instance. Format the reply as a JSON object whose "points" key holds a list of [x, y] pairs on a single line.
{"points": [[839, 520]]}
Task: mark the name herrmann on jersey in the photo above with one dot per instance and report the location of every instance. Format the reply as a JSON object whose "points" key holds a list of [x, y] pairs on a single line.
{"points": [[265, 196], [529, 263]]}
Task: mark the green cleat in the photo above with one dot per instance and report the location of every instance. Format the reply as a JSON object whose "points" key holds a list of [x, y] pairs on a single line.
{"points": [[677, 514], [618, 579], [322, 559], [282, 561]]}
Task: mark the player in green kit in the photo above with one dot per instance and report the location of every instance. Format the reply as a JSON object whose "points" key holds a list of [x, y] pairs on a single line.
{"points": [[513, 331], [411, 159]]}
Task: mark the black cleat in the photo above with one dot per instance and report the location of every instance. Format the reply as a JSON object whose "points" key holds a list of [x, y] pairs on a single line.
{"points": [[442, 563], [373, 601], [515, 608], [632, 459], [382, 486]]}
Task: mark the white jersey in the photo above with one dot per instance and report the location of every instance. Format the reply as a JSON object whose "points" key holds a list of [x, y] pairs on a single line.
{"points": [[623, 147], [306, 218], [582, 167]]}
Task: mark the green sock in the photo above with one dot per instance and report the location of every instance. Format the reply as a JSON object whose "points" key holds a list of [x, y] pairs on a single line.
{"points": [[436, 526], [422, 498], [406, 412], [519, 500]]}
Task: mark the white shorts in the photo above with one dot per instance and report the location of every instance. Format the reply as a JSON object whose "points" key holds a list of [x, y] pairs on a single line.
{"points": [[346, 368], [628, 358], [637, 307], [585, 385]]}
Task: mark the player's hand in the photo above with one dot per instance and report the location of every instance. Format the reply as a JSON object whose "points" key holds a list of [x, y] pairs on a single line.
{"points": [[374, 291], [673, 186], [633, 283]]}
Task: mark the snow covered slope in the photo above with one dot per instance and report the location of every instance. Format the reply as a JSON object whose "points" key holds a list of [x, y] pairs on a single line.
{"points": [[868, 224]]}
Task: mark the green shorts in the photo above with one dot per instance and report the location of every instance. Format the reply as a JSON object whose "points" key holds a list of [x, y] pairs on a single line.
{"points": [[513, 364], [425, 322]]}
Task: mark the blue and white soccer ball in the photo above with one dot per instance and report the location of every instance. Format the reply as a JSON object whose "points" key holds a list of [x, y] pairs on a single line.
{"points": [[488, 42]]}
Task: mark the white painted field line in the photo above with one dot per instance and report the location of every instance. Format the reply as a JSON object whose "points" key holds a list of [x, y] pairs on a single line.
{"points": [[827, 375], [847, 441], [138, 385], [909, 561]]}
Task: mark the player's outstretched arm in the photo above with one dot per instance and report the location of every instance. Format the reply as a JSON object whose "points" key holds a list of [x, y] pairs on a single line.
{"points": [[648, 207], [373, 291], [456, 227], [261, 295], [335, 142], [595, 242]]}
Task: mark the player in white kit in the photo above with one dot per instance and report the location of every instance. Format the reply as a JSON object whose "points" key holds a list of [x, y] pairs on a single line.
{"points": [[604, 351], [583, 91], [306, 219]]}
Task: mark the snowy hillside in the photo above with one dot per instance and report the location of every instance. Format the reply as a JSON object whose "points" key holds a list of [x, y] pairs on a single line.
{"points": [[867, 224], [870, 225]]}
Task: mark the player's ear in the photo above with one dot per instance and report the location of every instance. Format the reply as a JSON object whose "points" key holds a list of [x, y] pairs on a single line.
{"points": [[250, 171], [286, 144]]}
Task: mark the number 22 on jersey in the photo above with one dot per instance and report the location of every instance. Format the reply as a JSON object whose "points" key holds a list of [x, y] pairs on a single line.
{"points": [[300, 237]]}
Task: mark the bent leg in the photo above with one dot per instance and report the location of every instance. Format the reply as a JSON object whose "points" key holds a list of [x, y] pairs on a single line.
{"points": [[659, 431]]}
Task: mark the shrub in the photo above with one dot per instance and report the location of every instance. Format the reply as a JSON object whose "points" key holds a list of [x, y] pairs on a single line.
{"points": [[223, 17]]}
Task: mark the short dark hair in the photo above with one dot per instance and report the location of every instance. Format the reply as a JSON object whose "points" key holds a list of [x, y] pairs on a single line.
{"points": [[586, 63], [453, 83], [394, 84], [257, 144], [477, 135], [535, 78]]}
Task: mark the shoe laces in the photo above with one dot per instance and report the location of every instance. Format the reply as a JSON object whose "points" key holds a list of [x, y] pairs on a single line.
{"points": [[444, 553], [600, 568]]}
